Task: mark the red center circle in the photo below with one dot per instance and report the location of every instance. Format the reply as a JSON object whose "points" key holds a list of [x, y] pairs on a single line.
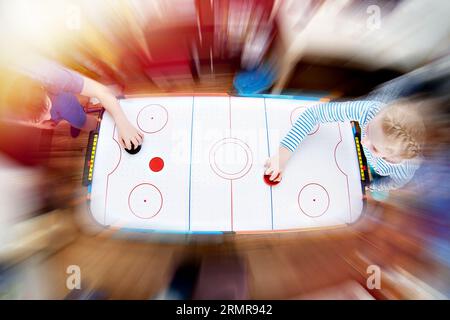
{"points": [[156, 164]]}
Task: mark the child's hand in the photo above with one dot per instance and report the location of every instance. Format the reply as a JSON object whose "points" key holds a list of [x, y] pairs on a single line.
{"points": [[129, 134], [273, 168], [275, 165]]}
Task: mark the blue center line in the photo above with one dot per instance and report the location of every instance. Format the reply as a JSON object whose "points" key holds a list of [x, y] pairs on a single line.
{"points": [[268, 153], [190, 163]]}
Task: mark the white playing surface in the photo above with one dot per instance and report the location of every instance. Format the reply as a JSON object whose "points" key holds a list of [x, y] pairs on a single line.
{"points": [[214, 149]]}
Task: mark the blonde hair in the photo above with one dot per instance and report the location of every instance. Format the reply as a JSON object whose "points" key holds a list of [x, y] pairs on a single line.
{"points": [[403, 125]]}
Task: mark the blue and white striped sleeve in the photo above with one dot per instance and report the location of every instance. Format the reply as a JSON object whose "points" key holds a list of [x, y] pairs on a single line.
{"points": [[326, 112], [386, 183], [399, 177]]}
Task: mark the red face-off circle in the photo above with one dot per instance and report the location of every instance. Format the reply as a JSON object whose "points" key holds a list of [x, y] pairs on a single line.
{"points": [[156, 164]]}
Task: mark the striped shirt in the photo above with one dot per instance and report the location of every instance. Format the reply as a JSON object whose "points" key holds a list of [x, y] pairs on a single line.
{"points": [[392, 175]]}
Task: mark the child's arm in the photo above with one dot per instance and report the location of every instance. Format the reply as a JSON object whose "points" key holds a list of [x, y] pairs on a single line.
{"points": [[322, 113], [384, 184], [327, 112], [127, 132], [399, 177], [57, 78]]}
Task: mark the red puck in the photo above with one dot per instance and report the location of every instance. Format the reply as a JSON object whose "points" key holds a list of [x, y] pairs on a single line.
{"points": [[156, 164], [269, 182]]}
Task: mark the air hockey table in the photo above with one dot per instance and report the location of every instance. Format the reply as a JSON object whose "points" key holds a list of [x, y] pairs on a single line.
{"points": [[200, 168]]}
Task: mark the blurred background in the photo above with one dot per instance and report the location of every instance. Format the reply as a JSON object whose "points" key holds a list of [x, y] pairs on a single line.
{"points": [[341, 49]]}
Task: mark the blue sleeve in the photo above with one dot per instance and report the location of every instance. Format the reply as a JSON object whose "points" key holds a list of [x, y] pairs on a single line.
{"points": [[327, 112]]}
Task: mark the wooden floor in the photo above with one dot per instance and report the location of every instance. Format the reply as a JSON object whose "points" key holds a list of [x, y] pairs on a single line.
{"points": [[278, 266]]}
